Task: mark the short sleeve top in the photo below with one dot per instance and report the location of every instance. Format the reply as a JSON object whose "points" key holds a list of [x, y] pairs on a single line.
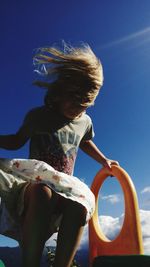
{"points": [[55, 139]]}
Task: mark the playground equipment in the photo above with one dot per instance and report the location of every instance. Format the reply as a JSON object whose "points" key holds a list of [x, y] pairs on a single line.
{"points": [[129, 240]]}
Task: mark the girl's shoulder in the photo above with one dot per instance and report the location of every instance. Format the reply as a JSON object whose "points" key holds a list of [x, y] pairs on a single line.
{"points": [[37, 111], [35, 114], [86, 117], [83, 121]]}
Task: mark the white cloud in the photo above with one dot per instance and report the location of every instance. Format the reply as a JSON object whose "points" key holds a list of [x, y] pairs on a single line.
{"points": [[146, 190], [145, 219], [111, 198], [145, 204], [111, 227]]}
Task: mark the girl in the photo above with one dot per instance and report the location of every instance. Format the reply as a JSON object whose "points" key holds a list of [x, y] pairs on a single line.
{"points": [[40, 195]]}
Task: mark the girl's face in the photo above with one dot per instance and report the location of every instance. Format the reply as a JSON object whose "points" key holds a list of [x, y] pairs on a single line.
{"points": [[71, 110]]}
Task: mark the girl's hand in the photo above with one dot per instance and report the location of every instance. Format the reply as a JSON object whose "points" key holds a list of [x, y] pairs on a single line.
{"points": [[109, 162]]}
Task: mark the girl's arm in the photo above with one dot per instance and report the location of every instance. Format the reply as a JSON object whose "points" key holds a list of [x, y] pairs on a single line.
{"points": [[92, 150], [14, 141], [17, 140]]}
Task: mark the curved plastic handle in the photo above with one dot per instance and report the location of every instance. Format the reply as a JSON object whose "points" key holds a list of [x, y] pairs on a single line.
{"points": [[129, 240]]}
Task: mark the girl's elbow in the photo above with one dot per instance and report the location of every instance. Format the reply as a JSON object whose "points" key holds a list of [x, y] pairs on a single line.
{"points": [[18, 142]]}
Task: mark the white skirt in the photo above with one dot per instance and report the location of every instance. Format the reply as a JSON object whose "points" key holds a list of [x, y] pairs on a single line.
{"points": [[20, 172]]}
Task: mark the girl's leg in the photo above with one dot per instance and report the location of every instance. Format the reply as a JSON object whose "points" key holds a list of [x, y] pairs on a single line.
{"points": [[69, 236], [40, 203]]}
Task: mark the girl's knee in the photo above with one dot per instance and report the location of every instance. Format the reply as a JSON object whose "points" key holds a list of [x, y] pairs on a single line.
{"points": [[38, 193], [42, 190]]}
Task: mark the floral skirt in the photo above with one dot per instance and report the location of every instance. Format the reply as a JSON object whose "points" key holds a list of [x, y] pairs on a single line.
{"points": [[17, 174]]}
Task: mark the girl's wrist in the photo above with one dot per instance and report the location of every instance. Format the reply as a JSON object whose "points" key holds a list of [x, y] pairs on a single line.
{"points": [[104, 161], [108, 162]]}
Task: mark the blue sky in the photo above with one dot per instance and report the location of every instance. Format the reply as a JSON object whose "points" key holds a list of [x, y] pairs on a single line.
{"points": [[119, 33]]}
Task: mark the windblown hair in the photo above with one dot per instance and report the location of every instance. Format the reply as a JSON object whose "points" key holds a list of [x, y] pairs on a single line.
{"points": [[77, 71]]}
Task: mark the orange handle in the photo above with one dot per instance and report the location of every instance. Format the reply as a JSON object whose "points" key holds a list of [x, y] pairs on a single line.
{"points": [[129, 240]]}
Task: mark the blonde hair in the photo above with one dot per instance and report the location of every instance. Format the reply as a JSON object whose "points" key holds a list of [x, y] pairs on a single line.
{"points": [[77, 71]]}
